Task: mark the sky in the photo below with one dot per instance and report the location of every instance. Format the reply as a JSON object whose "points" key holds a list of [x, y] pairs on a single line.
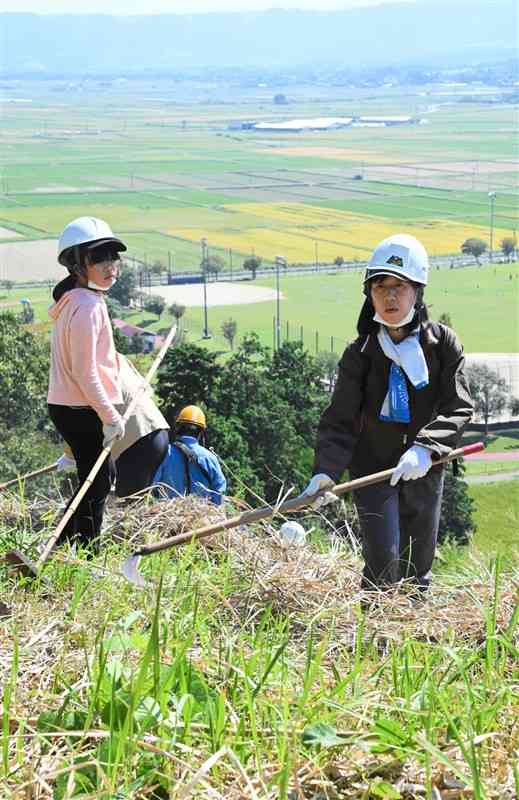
{"points": [[128, 7]]}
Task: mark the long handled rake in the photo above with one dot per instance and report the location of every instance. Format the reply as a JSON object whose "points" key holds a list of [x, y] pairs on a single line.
{"points": [[22, 563], [130, 567], [29, 475]]}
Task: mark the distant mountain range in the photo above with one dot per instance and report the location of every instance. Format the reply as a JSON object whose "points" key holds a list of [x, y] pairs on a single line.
{"points": [[399, 34]]}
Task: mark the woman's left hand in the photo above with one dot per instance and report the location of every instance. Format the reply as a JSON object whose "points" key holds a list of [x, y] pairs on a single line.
{"points": [[415, 463]]}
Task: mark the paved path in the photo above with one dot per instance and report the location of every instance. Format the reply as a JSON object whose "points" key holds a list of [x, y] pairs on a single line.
{"points": [[497, 476], [508, 455]]}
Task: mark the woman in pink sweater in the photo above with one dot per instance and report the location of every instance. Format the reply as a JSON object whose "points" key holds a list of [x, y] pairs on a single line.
{"points": [[84, 386]]}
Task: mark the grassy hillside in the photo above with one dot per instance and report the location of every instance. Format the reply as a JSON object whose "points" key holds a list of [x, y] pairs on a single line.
{"points": [[252, 672]]}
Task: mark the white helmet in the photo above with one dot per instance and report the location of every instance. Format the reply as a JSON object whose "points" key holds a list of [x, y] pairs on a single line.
{"points": [[81, 231], [400, 254], [292, 533]]}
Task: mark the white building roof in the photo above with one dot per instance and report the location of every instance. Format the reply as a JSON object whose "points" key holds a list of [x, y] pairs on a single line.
{"points": [[317, 123], [393, 118]]}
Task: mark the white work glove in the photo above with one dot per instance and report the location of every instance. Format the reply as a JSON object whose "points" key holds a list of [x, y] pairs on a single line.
{"points": [[113, 431], [319, 483], [66, 463], [415, 463]]}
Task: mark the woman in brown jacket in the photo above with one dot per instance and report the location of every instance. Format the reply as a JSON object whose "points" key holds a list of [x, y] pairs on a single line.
{"points": [[401, 398]]}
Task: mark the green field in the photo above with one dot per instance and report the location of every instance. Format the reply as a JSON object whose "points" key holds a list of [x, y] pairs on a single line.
{"points": [[477, 299], [154, 168], [328, 305], [497, 518]]}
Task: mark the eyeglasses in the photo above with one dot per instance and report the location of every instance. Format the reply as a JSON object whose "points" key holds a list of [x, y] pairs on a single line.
{"points": [[399, 289], [104, 254]]}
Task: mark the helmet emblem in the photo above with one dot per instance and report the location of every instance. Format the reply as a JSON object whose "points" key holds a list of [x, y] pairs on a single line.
{"points": [[396, 260]]}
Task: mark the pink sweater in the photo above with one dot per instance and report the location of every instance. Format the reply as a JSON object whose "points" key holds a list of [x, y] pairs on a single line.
{"points": [[83, 368]]}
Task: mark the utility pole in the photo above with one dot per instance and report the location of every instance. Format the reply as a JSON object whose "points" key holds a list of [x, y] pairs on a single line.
{"points": [[280, 262], [203, 242], [492, 196]]}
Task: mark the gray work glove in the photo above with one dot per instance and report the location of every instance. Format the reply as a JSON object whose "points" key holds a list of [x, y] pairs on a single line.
{"points": [[319, 483], [66, 464], [112, 431]]}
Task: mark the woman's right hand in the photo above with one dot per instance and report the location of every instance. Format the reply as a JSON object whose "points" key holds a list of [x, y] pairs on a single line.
{"points": [[113, 431]]}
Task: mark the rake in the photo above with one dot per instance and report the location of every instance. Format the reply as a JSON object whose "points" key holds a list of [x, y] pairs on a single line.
{"points": [[130, 568]]}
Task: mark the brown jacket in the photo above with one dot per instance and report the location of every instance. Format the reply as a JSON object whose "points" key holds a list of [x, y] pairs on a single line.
{"points": [[350, 433]]}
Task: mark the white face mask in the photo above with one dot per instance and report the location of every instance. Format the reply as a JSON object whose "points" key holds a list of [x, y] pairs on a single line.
{"points": [[405, 321], [93, 285]]}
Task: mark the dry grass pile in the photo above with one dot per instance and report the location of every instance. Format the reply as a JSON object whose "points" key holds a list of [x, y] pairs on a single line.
{"points": [[314, 587], [321, 587]]}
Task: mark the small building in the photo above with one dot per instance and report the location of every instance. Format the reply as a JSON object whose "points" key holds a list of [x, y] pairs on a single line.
{"points": [[300, 125], [150, 341], [386, 120]]}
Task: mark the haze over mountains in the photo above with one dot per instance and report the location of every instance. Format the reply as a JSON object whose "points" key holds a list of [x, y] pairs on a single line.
{"points": [[403, 33]]}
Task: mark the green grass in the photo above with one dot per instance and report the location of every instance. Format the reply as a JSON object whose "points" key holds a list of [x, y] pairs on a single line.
{"points": [[476, 299], [498, 442], [496, 517], [216, 682]]}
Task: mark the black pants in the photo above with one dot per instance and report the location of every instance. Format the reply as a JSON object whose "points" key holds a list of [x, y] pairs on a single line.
{"points": [[136, 467], [82, 429], [399, 527]]}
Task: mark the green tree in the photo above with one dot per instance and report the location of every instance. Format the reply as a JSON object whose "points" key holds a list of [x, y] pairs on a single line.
{"points": [[122, 343], [445, 319], [188, 375], [229, 328], [24, 374], [509, 246], [489, 392], [177, 310], [456, 518], [157, 268], [474, 247], [327, 366], [136, 344], [8, 285], [155, 304], [297, 378], [252, 263], [29, 439], [212, 265], [115, 309], [124, 288], [338, 261]]}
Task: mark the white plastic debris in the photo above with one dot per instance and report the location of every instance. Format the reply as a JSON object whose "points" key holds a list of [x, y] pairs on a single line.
{"points": [[292, 533]]}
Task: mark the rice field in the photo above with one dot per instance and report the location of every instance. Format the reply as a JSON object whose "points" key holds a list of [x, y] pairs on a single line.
{"points": [[164, 175], [305, 233]]}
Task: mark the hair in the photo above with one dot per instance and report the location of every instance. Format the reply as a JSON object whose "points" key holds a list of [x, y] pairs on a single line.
{"points": [[188, 429], [64, 286], [366, 324]]}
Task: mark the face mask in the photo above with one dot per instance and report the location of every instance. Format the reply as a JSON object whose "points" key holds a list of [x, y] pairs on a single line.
{"points": [[93, 285], [405, 321]]}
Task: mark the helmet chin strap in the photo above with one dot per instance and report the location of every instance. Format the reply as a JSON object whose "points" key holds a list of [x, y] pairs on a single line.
{"points": [[405, 321]]}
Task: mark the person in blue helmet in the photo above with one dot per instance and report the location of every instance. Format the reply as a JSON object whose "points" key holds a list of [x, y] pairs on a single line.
{"points": [[189, 467]]}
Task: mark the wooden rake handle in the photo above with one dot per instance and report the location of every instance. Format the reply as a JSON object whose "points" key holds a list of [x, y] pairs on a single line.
{"points": [[29, 475], [296, 504], [105, 452]]}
